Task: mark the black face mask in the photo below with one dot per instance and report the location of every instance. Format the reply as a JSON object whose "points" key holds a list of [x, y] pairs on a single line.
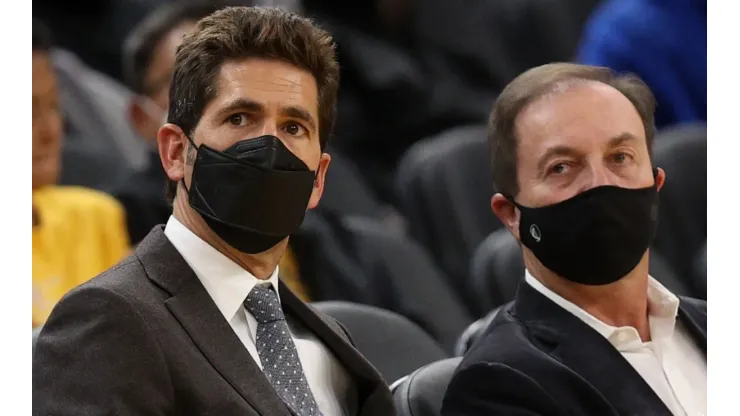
{"points": [[253, 194], [595, 237]]}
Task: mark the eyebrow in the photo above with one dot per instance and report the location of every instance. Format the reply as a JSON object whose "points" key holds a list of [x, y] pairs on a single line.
{"points": [[622, 139], [240, 104], [244, 104], [299, 113]]}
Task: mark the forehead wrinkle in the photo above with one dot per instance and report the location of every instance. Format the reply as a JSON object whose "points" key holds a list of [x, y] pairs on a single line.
{"points": [[554, 92], [284, 83]]}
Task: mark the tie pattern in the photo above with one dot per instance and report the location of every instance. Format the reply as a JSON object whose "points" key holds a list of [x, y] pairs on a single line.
{"points": [[280, 362]]}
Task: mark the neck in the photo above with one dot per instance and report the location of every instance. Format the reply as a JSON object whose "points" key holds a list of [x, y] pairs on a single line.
{"points": [[260, 265], [622, 303]]}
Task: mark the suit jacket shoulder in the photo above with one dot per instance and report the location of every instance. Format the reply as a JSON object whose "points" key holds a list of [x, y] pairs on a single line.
{"points": [[98, 355], [146, 338], [534, 353]]}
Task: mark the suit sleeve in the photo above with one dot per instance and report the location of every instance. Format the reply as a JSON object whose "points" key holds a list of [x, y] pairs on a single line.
{"points": [[487, 389], [96, 356]]}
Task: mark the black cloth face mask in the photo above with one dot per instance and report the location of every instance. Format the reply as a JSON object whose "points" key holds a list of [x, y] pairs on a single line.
{"points": [[253, 194], [595, 237]]}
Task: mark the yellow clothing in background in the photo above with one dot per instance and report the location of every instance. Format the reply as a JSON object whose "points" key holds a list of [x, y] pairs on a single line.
{"points": [[80, 233], [290, 275]]}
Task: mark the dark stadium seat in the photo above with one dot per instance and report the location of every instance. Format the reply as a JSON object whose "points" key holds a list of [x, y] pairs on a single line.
{"points": [[347, 192], [392, 343], [362, 260], [700, 269], [682, 230], [445, 189], [421, 393]]}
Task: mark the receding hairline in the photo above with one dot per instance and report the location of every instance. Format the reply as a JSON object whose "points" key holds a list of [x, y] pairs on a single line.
{"points": [[562, 87]]}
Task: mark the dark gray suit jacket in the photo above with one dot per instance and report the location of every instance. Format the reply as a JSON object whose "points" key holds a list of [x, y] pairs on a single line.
{"points": [[145, 338]]}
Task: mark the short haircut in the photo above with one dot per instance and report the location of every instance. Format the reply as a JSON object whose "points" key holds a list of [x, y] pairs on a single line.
{"points": [[141, 43], [537, 82], [235, 33], [41, 37]]}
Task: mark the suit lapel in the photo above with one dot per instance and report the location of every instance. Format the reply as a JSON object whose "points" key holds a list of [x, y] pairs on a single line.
{"points": [[211, 333], [368, 381], [584, 351]]}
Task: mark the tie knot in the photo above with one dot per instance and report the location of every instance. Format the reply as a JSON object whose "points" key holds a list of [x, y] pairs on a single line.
{"points": [[262, 302]]}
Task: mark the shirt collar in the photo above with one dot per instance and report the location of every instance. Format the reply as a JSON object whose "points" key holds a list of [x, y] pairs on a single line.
{"points": [[662, 308], [226, 282]]}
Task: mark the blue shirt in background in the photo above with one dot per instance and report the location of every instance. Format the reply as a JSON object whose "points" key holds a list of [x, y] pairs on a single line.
{"points": [[664, 42]]}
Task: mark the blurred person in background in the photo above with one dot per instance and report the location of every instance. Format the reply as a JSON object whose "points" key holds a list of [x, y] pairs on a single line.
{"points": [[664, 42], [196, 321], [77, 232], [100, 147], [148, 60], [590, 331], [72, 24]]}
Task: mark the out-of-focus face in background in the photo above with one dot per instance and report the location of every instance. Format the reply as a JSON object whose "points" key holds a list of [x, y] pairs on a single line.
{"points": [[581, 136], [149, 111], [47, 122]]}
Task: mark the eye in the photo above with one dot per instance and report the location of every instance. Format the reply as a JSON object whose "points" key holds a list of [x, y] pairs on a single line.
{"points": [[239, 119], [295, 129], [621, 158], [558, 169]]}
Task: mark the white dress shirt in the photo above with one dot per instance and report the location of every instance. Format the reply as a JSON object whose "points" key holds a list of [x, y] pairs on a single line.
{"points": [[671, 363], [228, 284]]}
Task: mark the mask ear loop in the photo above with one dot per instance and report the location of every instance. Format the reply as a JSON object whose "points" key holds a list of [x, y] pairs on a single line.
{"points": [[513, 202], [192, 143], [655, 178]]}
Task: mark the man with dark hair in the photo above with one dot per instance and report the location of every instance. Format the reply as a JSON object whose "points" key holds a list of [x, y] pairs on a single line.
{"points": [[148, 60], [196, 321], [590, 332]]}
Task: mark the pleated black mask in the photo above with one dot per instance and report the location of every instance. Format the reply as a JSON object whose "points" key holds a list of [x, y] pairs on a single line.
{"points": [[253, 194]]}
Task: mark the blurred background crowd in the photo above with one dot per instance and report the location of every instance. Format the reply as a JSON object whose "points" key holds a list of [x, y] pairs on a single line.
{"points": [[405, 223]]}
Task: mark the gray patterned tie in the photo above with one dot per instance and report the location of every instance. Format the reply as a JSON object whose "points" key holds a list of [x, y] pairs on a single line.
{"points": [[278, 353]]}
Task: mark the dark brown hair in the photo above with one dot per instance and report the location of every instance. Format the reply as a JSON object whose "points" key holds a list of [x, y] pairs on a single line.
{"points": [[249, 32], [537, 82]]}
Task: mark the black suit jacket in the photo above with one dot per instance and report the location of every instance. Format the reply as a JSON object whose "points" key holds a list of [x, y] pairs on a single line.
{"points": [[536, 358], [145, 338]]}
